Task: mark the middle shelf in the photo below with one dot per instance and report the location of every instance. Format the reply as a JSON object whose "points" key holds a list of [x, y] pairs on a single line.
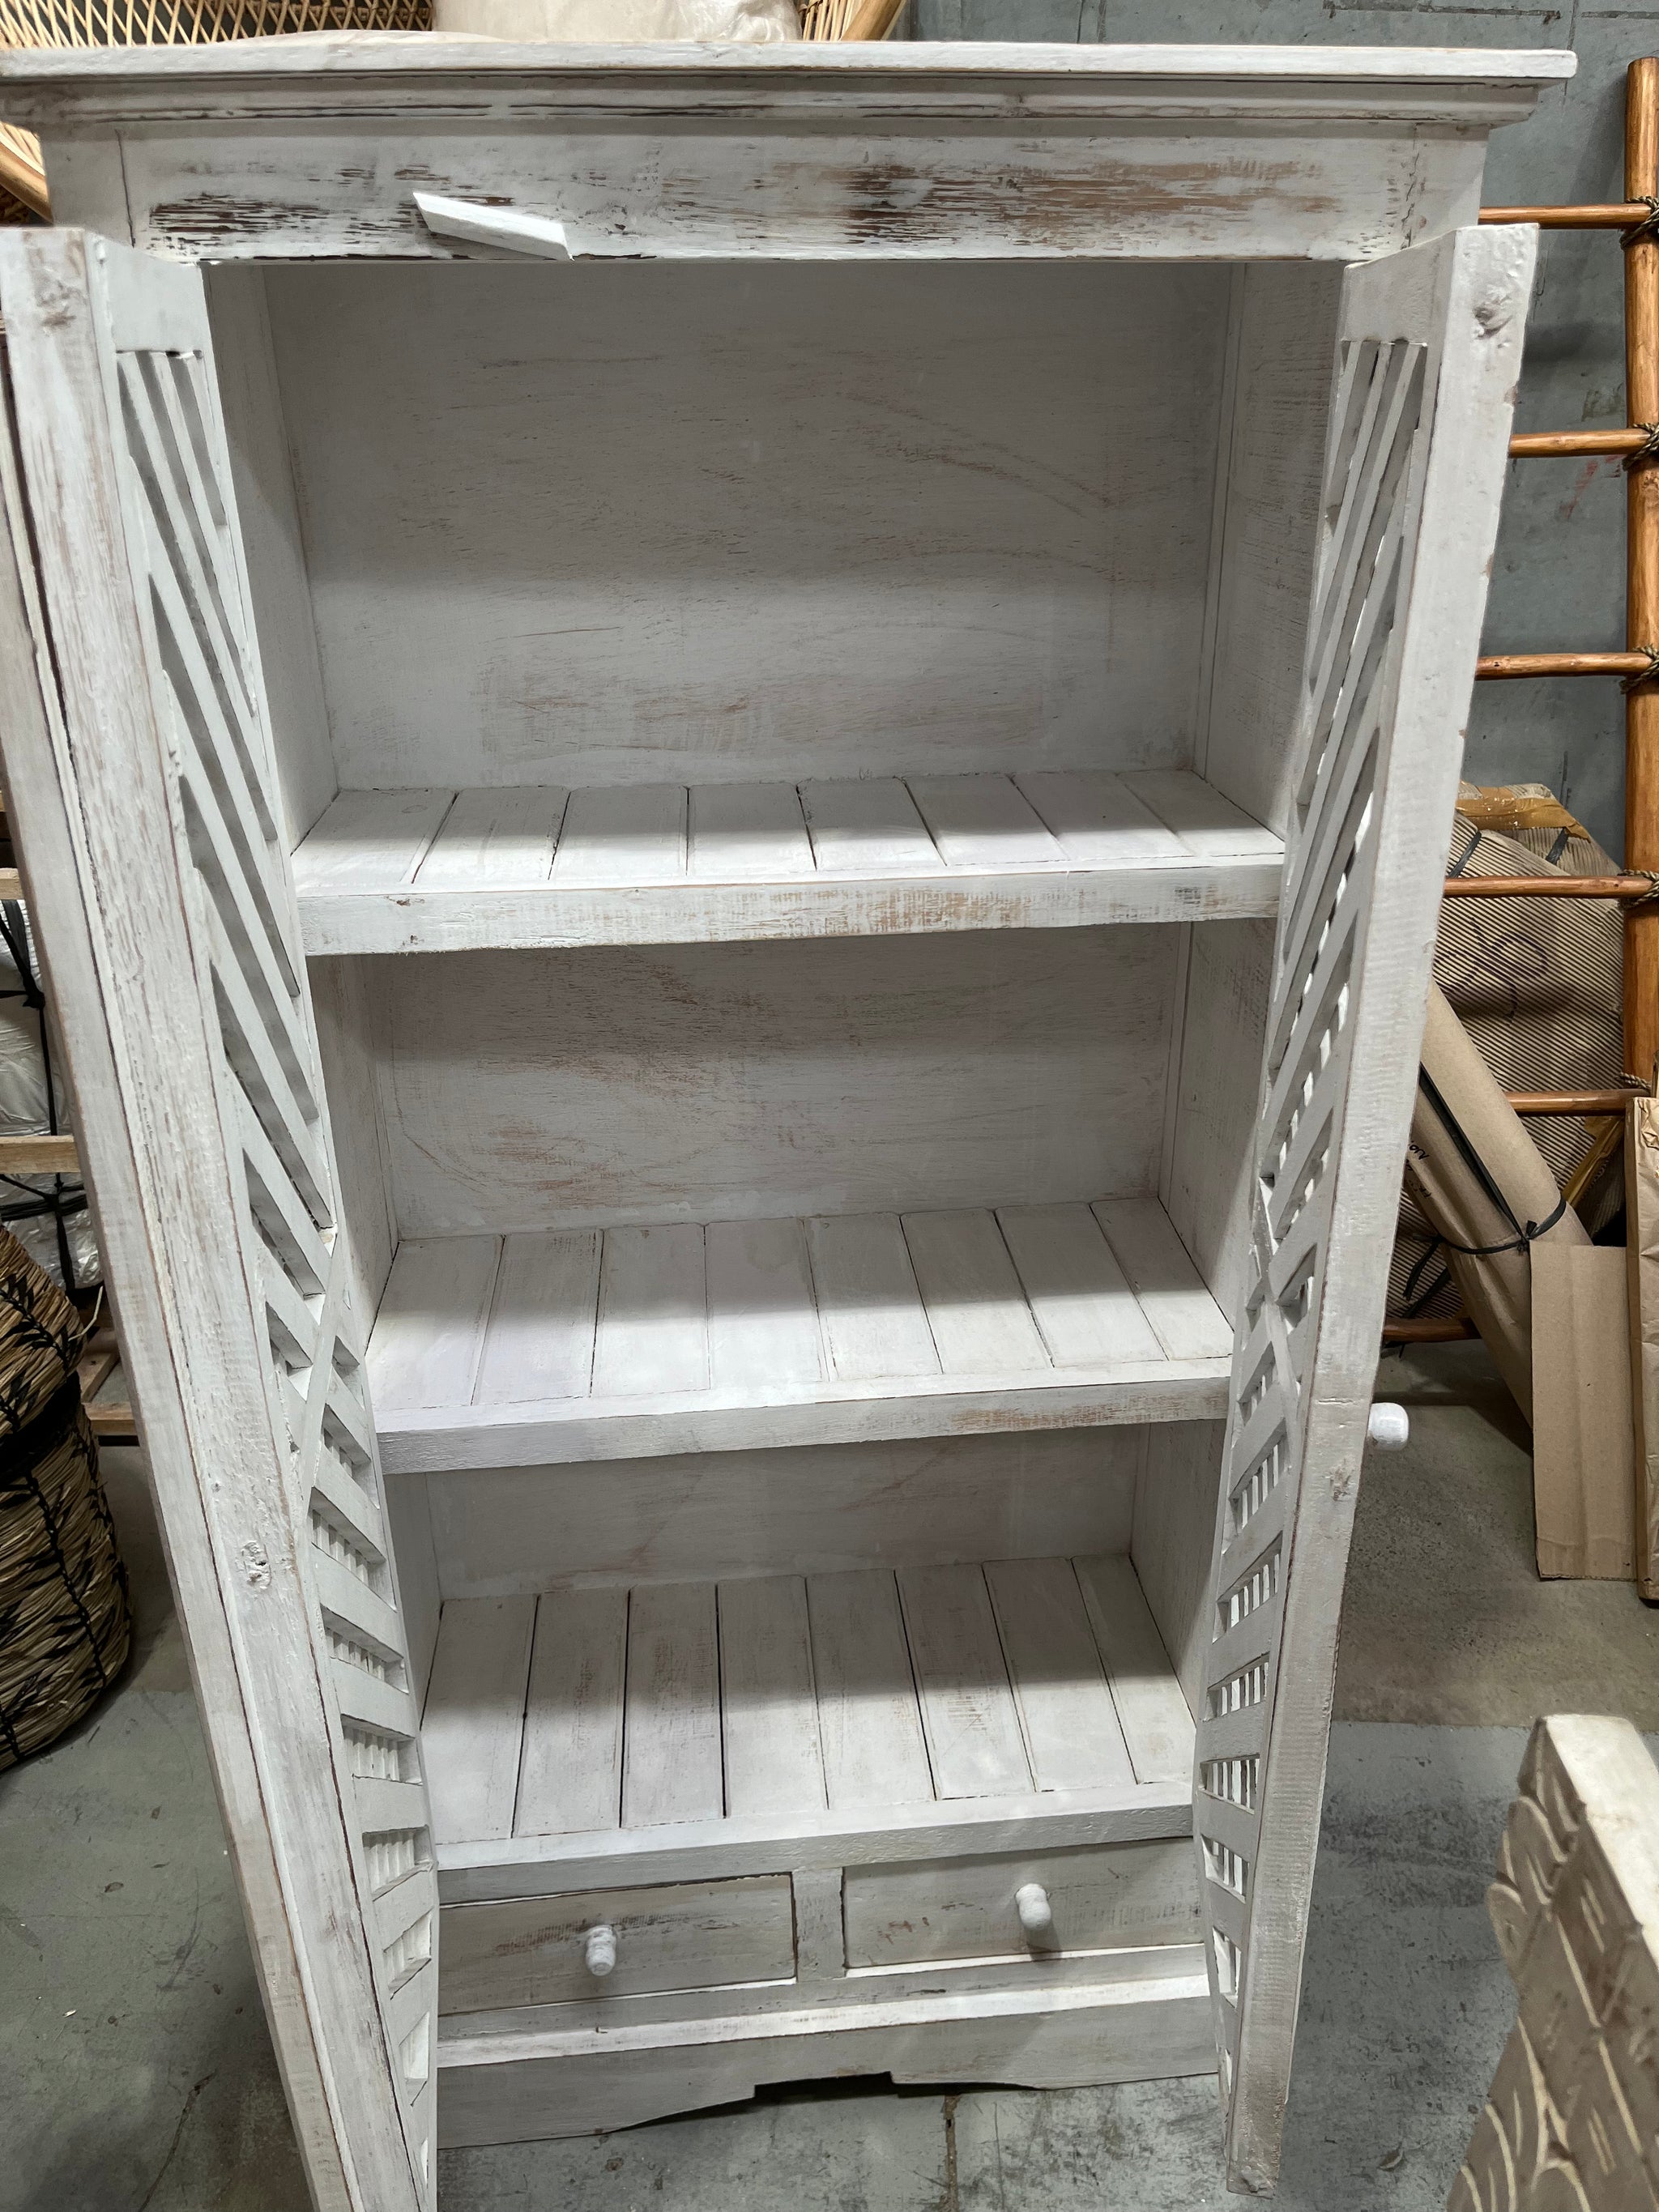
{"points": [[554, 1346], [641, 863]]}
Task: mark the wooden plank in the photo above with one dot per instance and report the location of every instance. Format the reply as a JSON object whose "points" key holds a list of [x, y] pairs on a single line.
{"points": [[430, 1328], [1074, 1738], [742, 832], [763, 1322], [1583, 1443], [868, 828], [570, 1774], [1157, 1724], [1097, 821], [632, 834], [976, 1309], [473, 1723], [653, 1321], [538, 1342], [873, 1319], [769, 1702], [495, 840], [983, 821], [874, 1752], [1082, 1305], [671, 1724], [1210, 827], [1186, 1319], [974, 1743], [38, 1154], [370, 841]]}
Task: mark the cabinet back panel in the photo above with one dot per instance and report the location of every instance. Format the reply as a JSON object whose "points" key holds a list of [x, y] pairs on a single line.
{"points": [[818, 1509], [728, 1082], [646, 523]]}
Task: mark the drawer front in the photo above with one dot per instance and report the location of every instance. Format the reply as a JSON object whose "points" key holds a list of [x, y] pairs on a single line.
{"points": [[1106, 1897], [693, 1935]]}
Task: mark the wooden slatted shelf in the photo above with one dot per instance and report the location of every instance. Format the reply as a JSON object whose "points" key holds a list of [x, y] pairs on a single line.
{"points": [[604, 1734], [556, 1346], [438, 871]]}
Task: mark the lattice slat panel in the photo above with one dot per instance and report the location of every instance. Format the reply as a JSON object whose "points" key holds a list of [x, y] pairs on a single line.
{"points": [[270, 1104], [1349, 674]]}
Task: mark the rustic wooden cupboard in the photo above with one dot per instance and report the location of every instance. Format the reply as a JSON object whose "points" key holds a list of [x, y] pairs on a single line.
{"points": [[734, 765]]}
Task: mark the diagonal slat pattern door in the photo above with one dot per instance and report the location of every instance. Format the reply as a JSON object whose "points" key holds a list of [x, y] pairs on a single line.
{"points": [[244, 1345], [1415, 451]]}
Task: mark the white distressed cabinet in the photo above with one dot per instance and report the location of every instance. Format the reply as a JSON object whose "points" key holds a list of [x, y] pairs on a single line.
{"points": [[738, 824]]}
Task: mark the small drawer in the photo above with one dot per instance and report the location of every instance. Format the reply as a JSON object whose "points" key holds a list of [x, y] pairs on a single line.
{"points": [[554, 1950], [1108, 1897]]}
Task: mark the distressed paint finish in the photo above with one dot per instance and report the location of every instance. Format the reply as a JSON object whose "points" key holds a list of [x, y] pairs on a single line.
{"points": [[814, 152]]}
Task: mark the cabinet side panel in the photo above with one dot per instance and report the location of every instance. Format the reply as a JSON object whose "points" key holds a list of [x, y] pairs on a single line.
{"points": [[1174, 1523], [1281, 390], [1207, 1181], [278, 584], [350, 1017]]}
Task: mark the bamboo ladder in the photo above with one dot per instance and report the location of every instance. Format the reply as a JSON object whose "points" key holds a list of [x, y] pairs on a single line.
{"points": [[1637, 218]]}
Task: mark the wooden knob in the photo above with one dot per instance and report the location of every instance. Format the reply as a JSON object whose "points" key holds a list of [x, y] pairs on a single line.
{"points": [[600, 1951], [1389, 1428], [1037, 1914]]}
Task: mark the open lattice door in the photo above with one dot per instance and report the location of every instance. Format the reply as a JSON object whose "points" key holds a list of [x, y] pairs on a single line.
{"points": [[1429, 354], [149, 819]]}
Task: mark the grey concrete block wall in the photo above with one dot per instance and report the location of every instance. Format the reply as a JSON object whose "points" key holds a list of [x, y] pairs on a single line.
{"points": [[1558, 581]]}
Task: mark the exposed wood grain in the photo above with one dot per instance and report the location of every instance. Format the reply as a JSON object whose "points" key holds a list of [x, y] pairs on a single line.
{"points": [[974, 1744], [769, 1704], [1072, 1735], [1156, 1725], [874, 1750], [472, 1724], [570, 1775], [672, 1746]]}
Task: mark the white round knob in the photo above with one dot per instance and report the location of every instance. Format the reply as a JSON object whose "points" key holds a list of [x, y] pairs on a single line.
{"points": [[600, 1951], [1037, 1914], [1389, 1428]]}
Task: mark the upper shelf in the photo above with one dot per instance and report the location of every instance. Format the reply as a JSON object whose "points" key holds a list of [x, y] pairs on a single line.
{"points": [[644, 864]]}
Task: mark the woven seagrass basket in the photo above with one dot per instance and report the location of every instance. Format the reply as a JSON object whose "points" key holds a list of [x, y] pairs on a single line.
{"points": [[65, 1626], [202, 22]]}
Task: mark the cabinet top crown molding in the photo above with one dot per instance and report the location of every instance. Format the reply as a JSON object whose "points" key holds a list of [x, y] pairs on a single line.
{"points": [[323, 74]]}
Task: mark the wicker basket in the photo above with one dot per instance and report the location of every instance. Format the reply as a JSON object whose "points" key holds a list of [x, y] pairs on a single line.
{"points": [[203, 22], [64, 1627]]}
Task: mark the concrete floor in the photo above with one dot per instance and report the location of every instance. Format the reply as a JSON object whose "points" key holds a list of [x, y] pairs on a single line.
{"points": [[140, 2077]]}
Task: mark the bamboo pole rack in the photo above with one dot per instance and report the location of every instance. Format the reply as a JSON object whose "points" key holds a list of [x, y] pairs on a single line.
{"points": [[1635, 218]]}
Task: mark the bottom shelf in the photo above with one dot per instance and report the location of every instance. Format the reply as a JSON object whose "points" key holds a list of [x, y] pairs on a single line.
{"points": [[676, 1729]]}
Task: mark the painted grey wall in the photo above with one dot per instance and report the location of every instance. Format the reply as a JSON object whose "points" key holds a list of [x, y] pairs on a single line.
{"points": [[1558, 581]]}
